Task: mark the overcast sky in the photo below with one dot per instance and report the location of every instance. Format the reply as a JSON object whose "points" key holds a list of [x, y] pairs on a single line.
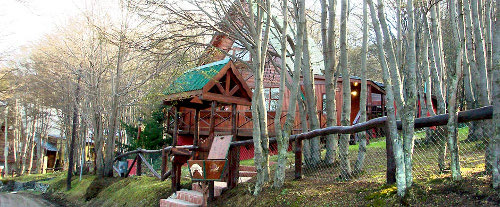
{"points": [[25, 21]]}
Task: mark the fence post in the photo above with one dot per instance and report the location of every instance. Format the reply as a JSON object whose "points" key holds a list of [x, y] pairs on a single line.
{"points": [[298, 159], [391, 164], [139, 165], [163, 164], [234, 166]]}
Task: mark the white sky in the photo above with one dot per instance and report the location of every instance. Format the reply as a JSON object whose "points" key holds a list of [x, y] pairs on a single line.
{"points": [[25, 21]]}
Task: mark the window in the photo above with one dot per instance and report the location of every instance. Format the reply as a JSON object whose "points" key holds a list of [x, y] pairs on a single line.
{"points": [[272, 96]]}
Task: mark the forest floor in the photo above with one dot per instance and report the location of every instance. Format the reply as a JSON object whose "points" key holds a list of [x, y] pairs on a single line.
{"points": [[473, 190]]}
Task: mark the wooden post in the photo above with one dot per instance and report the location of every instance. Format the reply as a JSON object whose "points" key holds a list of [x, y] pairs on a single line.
{"points": [[178, 177], [175, 133], [211, 129], [298, 159], [139, 165], [211, 138], [163, 164], [211, 190], [173, 177], [168, 120], [391, 164], [234, 153], [196, 137]]}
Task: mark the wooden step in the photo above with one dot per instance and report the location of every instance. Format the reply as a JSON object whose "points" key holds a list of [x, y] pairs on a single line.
{"points": [[248, 168], [172, 202], [190, 196], [248, 173]]}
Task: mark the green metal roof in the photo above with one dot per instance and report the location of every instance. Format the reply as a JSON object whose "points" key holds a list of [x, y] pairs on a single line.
{"points": [[194, 79]]}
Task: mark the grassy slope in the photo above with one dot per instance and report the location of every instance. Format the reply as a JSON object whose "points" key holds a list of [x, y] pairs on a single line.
{"points": [[474, 190], [90, 191]]}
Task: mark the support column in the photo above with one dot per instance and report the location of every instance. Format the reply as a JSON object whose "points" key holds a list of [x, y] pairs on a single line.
{"points": [[196, 137], [234, 152], [175, 133], [210, 140]]}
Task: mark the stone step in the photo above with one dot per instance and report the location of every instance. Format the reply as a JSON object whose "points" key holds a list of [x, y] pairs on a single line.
{"points": [[190, 196], [172, 202], [248, 173], [218, 187], [248, 168]]}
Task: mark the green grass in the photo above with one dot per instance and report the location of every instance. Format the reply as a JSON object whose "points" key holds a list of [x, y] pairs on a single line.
{"points": [[132, 191], [32, 177]]}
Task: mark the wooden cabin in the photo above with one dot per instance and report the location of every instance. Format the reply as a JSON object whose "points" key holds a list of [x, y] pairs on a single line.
{"points": [[198, 86]]}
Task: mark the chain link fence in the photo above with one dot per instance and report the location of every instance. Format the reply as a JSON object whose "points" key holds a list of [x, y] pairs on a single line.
{"points": [[431, 156]]}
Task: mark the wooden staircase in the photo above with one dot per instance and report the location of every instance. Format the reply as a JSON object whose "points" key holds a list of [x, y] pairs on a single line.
{"points": [[194, 197]]}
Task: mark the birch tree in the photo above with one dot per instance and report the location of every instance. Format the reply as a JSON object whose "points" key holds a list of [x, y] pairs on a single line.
{"points": [[6, 141], [358, 167], [495, 139], [345, 166], [281, 138], [391, 112], [328, 44]]}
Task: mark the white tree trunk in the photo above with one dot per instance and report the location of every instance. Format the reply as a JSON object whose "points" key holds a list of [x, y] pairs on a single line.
{"points": [[358, 167], [391, 116], [495, 139], [6, 142], [345, 166], [328, 44]]}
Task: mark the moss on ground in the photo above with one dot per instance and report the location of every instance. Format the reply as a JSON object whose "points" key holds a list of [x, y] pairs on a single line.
{"points": [[135, 191]]}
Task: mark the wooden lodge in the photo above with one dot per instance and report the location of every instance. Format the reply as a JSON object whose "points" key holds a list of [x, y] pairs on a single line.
{"points": [[229, 87]]}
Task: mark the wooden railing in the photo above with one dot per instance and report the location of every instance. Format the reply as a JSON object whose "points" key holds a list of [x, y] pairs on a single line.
{"points": [[139, 158], [223, 122]]}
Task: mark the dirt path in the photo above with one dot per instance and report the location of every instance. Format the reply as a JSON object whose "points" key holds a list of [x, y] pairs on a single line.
{"points": [[23, 199]]}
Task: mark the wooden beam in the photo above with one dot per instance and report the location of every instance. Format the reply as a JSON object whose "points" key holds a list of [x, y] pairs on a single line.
{"points": [[180, 96], [149, 166], [234, 90], [439, 120], [228, 80], [221, 89], [226, 99], [114, 168], [196, 100]]}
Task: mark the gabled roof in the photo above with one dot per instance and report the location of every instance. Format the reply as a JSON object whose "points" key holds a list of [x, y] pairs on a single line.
{"points": [[194, 79], [218, 81]]}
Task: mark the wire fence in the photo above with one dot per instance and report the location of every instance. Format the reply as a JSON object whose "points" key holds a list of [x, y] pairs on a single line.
{"points": [[431, 156]]}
